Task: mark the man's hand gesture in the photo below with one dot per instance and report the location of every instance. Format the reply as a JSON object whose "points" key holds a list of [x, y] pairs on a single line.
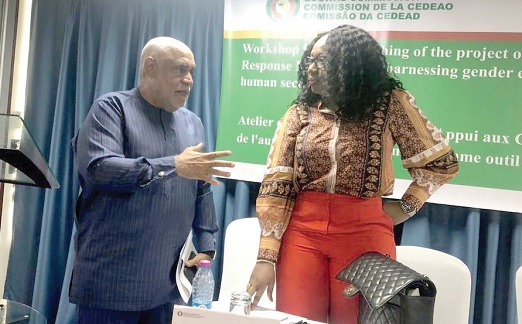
{"points": [[192, 164]]}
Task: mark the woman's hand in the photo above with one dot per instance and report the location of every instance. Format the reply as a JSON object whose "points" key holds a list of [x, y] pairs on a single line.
{"points": [[262, 277], [394, 210]]}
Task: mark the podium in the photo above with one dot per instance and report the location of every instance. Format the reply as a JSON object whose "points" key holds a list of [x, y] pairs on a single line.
{"points": [[21, 160], [21, 163]]}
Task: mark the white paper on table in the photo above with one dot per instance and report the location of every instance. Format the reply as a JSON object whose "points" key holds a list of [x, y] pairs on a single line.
{"points": [[268, 313], [184, 275], [194, 315]]}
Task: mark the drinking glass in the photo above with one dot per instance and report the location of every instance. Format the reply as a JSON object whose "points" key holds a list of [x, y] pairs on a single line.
{"points": [[240, 302]]}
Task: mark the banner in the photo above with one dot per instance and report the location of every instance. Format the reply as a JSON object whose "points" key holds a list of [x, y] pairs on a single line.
{"points": [[461, 60]]}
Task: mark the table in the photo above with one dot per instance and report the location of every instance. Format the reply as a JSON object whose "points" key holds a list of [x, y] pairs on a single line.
{"points": [[14, 312], [265, 313]]}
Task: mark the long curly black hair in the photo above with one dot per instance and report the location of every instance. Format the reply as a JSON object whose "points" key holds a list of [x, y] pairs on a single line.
{"points": [[356, 73]]}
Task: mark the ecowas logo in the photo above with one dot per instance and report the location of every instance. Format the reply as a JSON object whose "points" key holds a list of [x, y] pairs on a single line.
{"points": [[281, 9]]}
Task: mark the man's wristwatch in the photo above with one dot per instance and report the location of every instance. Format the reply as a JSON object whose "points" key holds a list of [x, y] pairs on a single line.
{"points": [[408, 209]]}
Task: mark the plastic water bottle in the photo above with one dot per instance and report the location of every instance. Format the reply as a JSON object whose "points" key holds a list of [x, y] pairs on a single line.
{"points": [[203, 286]]}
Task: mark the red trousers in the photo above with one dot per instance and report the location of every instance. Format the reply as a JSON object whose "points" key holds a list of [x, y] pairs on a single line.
{"points": [[326, 232]]}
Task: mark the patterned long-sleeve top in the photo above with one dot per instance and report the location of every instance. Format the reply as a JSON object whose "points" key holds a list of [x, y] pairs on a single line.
{"points": [[314, 149]]}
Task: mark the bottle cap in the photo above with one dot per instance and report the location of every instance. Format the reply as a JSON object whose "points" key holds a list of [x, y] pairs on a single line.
{"points": [[204, 263]]}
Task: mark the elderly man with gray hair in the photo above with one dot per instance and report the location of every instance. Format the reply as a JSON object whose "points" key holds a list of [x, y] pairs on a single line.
{"points": [[145, 184]]}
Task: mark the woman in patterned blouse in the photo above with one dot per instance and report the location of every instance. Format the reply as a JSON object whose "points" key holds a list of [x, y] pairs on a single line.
{"points": [[320, 204]]}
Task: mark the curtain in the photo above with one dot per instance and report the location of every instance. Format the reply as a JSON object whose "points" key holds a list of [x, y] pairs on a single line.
{"points": [[81, 49]]}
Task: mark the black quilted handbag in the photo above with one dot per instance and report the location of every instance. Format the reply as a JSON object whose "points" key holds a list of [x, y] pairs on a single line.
{"points": [[393, 293]]}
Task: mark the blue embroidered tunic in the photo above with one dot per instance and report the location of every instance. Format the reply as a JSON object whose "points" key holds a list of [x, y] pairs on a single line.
{"points": [[134, 212]]}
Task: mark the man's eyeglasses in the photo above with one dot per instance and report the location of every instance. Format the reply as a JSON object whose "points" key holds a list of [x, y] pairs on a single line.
{"points": [[318, 61]]}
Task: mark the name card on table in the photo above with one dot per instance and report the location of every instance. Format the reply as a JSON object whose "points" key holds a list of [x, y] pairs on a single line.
{"points": [[193, 315]]}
